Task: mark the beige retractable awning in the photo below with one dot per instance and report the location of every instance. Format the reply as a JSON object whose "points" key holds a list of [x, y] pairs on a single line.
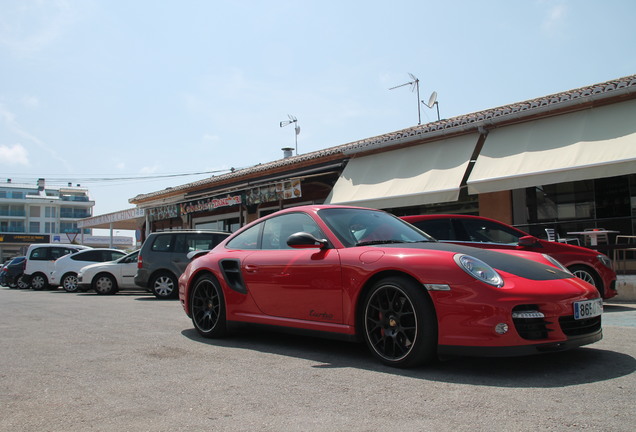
{"points": [[423, 174], [595, 143]]}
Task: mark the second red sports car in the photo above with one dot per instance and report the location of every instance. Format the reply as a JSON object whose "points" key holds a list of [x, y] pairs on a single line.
{"points": [[364, 274]]}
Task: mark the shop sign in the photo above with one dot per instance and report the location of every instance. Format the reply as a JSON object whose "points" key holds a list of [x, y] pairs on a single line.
{"points": [[24, 238], [274, 192], [163, 212], [210, 204]]}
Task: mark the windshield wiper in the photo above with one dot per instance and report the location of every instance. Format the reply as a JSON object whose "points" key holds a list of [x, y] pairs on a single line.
{"points": [[377, 242]]}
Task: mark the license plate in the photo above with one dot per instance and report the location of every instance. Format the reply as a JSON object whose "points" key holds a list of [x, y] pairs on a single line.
{"points": [[588, 309]]}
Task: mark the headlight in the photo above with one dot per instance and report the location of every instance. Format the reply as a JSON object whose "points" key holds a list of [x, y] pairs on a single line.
{"points": [[605, 260], [556, 263], [479, 270]]}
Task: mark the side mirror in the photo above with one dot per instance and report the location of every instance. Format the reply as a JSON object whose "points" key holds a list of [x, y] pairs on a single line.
{"points": [[303, 240], [528, 241]]}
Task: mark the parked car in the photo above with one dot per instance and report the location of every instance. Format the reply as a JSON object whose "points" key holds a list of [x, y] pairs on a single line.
{"points": [[66, 268], [41, 259], [587, 264], [364, 274], [109, 277], [12, 273], [163, 257]]}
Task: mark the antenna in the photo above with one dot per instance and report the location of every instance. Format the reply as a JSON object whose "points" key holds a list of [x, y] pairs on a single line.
{"points": [[415, 86], [433, 101], [293, 120]]}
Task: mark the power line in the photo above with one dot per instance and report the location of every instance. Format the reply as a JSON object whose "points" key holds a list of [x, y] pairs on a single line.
{"points": [[53, 178]]}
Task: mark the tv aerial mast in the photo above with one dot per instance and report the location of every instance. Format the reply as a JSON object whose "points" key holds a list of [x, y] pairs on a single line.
{"points": [[415, 86], [293, 120]]}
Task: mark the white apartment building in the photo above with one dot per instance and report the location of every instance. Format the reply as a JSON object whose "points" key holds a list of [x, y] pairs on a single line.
{"points": [[36, 213]]}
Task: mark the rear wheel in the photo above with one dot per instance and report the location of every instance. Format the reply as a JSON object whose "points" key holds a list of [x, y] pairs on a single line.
{"points": [[207, 306], [39, 282], [69, 282], [22, 282], [400, 326], [105, 284], [164, 286]]}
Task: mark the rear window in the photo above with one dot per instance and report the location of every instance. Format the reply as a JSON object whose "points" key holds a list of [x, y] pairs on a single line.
{"points": [[163, 243]]}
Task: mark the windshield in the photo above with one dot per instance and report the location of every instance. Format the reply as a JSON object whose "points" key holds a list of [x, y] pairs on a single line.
{"points": [[359, 227]]}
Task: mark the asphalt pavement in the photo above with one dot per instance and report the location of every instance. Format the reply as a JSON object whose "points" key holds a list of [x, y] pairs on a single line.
{"points": [[129, 362]]}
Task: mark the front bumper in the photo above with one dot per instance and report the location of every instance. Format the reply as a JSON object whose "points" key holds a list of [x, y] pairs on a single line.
{"points": [[521, 350]]}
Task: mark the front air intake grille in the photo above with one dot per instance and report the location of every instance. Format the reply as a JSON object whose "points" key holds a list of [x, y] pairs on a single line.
{"points": [[530, 327], [572, 327]]}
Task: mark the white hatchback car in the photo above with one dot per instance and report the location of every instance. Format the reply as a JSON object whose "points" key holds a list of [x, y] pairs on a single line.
{"points": [[66, 268], [108, 278], [40, 261]]}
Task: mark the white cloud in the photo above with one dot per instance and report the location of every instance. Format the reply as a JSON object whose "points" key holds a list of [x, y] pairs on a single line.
{"points": [[149, 169], [29, 26], [555, 18], [14, 155], [12, 125], [30, 101]]}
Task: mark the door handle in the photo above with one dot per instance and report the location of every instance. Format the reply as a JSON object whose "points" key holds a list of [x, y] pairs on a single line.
{"points": [[251, 268]]}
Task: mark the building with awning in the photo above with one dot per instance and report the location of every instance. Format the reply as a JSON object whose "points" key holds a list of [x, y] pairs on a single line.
{"points": [[565, 161]]}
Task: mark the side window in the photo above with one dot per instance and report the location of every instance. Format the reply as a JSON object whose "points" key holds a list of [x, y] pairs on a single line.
{"points": [[248, 239], [440, 229], [112, 255], [39, 254], [163, 243], [278, 229], [489, 232], [92, 256], [58, 252]]}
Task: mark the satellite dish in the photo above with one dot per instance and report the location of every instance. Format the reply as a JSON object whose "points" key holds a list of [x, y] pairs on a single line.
{"points": [[431, 100]]}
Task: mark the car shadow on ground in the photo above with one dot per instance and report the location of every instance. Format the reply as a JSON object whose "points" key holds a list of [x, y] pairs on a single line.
{"points": [[579, 366]]}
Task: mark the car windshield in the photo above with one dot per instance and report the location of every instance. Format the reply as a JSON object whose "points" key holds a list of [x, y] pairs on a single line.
{"points": [[359, 227]]}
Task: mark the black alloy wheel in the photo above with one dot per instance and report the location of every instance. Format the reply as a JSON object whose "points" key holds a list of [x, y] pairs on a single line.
{"points": [[105, 284], [207, 306], [400, 326]]}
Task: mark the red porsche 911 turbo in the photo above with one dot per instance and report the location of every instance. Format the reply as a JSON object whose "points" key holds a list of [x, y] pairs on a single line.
{"points": [[364, 274]]}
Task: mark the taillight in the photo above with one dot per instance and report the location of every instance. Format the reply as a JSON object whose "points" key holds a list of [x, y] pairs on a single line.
{"points": [[140, 262]]}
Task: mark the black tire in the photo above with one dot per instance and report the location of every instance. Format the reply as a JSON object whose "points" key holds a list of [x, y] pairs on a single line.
{"points": [[399, 323], [39, 282], [69, 282], [164, 286], [22, 283], [588, 275], [207, 307], [104, 284]]}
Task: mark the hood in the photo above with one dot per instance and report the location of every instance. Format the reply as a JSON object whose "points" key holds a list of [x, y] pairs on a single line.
{"points": [[499, 260]]}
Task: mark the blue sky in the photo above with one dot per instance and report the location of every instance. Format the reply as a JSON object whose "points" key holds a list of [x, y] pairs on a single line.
{"points": [[112, 89]]}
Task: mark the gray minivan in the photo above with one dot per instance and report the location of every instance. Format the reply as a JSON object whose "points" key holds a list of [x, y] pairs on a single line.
{"points": [[163, 258]]}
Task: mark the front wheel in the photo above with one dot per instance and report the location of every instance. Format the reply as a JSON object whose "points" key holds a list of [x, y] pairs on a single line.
{"points": [[400, 326], [69, 283], [588, 275], [164, 286], [207, 306]]}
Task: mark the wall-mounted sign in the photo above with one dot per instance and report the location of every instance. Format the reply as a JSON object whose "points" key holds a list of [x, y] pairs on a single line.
{"points": [[274, 192], [163, 212], [210, 204], [24, 238]]}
